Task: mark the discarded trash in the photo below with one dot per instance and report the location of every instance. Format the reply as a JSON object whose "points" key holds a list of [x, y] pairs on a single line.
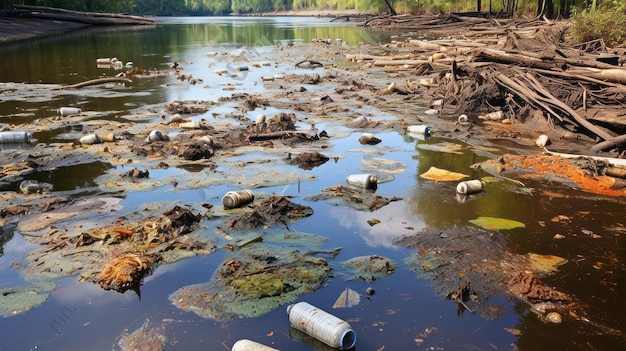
{"points": [[348, 298], [431, 111], [370, 291], [260, 119], [368, 181], [494, 116], [67, 111], [542, 140], [155, 135], [242, 68], [14, 137], [463, 119], [105, 60], [233, 199], [249, 345], [470, 187], [419, 129], [90, 139], [322, 325]]}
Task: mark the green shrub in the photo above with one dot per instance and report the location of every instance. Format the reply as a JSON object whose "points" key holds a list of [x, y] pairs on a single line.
{"points": [[605, 22]]}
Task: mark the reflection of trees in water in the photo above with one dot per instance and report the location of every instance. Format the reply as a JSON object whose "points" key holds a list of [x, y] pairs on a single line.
{"points": [[6, 234]]}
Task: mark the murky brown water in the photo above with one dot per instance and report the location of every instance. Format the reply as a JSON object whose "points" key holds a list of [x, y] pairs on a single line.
{"points": [[405, 313]]}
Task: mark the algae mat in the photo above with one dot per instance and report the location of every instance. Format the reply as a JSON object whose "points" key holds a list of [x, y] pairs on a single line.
{"points": [[252, 282]]}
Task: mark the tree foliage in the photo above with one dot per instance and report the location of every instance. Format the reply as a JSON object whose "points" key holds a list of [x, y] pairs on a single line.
{"points": [[548, 8]]}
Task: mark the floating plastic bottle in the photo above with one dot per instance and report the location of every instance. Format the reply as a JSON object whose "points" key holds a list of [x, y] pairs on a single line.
{"points": [[14, 137], [322, 325], [155, 135], [68, 111], [249, 345], [470, 187], [90, 139], [368, 181], [234, 199], [542, 140], [419, 129]]}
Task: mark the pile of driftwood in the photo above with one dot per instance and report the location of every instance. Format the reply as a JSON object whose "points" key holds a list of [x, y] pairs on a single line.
{"points": [[519, 66], [91, 18]]}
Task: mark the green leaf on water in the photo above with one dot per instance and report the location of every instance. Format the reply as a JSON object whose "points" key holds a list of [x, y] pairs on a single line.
{"points": [[496, 223]]}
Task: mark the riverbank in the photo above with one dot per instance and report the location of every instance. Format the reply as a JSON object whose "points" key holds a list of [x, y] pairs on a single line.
{"points": [[26, 22], [16, 28]]}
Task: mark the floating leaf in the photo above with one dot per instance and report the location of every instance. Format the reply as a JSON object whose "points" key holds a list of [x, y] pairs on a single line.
{"points": [[438, 174], [442, 147], [496, 223], [545, 263]]}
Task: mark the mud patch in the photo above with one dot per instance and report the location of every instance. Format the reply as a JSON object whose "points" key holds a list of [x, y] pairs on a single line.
{"points": [[361, 199], [275, 210], [469, 266]]}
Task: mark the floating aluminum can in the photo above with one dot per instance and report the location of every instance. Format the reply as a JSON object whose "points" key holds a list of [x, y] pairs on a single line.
{"points": [[419, 129], [68, 111], [368, 181], [90, 139], [234, 199], [155, 135], [322, 325], [470, 187], [14, 137]]}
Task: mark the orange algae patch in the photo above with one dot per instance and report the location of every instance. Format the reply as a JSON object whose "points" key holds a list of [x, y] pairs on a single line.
{"points": [[564, 168]]}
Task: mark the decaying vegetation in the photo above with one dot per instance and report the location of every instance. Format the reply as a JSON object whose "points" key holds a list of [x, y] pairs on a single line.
{"points": [[518, 66]]}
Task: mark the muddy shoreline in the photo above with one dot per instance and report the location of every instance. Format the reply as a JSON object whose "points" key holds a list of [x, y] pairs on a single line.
{"points": [[120, 249]]}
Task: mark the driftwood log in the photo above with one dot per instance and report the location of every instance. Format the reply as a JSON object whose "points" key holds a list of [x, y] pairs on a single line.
{"points": [[96, 82], [94, 18]]}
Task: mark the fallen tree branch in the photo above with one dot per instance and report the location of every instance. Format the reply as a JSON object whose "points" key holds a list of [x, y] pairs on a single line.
{"points": [[96, 82], [615, 162], [547, 102], [607, 144]]}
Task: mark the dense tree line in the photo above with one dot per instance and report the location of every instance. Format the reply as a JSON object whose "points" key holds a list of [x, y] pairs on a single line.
{"points": [[551, 8]]}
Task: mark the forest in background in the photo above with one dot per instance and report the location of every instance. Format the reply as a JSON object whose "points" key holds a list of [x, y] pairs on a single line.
{"points": [[551, 8]]}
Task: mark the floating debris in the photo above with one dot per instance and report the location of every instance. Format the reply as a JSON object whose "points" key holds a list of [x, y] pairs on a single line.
{"points": [[253, 282], [442, 175], [369, 268], [347, 298], [143, 339]]}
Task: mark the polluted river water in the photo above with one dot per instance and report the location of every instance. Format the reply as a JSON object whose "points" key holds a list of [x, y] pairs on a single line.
{"points": [[410, 265]]}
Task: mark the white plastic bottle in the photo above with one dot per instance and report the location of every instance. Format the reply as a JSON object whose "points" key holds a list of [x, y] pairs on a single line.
{"points": [[322, 325]]}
